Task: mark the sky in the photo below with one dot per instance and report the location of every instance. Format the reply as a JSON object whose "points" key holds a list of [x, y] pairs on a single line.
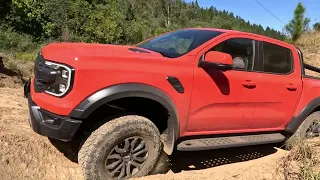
{"points": [[251, 10]]}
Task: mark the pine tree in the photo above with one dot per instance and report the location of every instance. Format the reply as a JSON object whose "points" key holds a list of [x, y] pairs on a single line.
{"points": [[299, 23], [316, 26]]}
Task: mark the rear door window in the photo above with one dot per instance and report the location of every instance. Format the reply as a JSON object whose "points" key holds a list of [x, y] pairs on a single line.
{"points": [[276, 59]]}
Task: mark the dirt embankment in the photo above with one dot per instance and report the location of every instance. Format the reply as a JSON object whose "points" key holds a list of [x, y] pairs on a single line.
{"points": [[24, 154]]}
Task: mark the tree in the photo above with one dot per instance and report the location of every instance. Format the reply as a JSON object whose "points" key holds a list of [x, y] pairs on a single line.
{"points": [[28, 17], [5, 8], [57, 12], [316, 26], [115, 21], [299, 23]]}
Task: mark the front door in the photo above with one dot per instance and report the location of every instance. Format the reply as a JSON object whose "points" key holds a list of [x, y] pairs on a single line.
{"points": [[224, 100]]}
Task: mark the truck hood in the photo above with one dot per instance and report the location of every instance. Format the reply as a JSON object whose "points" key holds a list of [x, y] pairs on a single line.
{"points": [[69, 53]]}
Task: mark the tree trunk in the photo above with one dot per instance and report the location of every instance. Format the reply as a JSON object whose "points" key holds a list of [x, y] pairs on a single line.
{"points": [[168, 17], [1, 64]]}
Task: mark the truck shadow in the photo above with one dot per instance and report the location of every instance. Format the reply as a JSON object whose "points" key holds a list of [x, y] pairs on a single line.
{"points": [[186, 161], [220, 79]]}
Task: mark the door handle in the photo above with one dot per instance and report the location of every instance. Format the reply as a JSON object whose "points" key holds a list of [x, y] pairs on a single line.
{"points": [[291, 87], [249, 84]]}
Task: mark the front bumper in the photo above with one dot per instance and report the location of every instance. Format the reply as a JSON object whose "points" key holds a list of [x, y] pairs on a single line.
{"points": [[49, 124]]}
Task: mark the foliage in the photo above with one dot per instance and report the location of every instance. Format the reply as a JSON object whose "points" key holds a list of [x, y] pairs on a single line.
{"points": [[14, 41], [299, 23], [116, 21], [316, 26]]}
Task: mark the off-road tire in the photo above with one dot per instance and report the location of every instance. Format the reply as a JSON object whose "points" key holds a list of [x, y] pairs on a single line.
{"points": [[101, 141], [300, 134]]}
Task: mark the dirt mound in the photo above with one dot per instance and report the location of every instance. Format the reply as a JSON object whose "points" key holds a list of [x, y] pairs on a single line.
{"points": [[10, 81], [8, 78], [14, 72], [24, 154]]}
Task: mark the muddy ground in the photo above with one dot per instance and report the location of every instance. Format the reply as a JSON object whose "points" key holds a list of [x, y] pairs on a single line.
{"points": [[27, 155]]}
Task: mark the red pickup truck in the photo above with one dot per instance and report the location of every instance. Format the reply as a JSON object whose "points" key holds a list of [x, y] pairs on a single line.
{"points": [[191, 89]]}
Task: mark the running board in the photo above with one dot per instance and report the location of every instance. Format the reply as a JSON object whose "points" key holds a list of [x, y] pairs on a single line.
{"points": [[231, 141]]}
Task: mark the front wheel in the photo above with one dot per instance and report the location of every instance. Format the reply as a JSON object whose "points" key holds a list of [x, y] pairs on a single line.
{"points": [[122, 148]]}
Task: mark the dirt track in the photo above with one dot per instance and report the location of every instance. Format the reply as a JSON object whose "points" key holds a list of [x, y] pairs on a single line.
{"points": [[26, 155]]}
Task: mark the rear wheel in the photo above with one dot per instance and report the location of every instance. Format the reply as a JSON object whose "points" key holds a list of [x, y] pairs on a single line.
{"points": [[125, 147], [307, 130]]}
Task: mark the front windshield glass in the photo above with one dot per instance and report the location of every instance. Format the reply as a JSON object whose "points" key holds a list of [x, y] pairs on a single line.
{"points": [[178, 43]]}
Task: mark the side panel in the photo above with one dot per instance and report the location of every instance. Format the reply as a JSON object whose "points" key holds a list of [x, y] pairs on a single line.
{"points": [[94, 73], [309, 101], [276, 103], [311, 91]]}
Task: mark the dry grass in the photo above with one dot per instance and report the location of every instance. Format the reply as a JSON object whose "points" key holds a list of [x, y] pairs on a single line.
{"points": [[309, 43], [16, 67], [303, 160]]}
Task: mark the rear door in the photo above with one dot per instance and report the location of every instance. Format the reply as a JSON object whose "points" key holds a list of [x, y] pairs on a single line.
{"points": [[279, 86]]}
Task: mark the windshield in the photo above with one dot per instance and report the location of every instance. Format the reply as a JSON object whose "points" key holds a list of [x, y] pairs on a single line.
{"points": [[178, 43]]}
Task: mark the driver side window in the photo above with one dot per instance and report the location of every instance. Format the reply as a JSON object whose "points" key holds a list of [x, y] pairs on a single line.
{"points": [[242, 51]]}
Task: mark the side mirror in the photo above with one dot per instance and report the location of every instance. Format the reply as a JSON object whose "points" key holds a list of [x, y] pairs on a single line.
{"points": [[216, 60]]}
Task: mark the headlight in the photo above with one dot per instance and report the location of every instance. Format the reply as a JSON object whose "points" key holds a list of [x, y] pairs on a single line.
{"points": [[63, 76]]}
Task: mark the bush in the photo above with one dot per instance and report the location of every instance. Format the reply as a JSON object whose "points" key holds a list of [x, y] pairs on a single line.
{"points": [[19, 46], [13, 41]]}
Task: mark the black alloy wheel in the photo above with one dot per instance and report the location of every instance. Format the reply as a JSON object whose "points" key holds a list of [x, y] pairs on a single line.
{"points": [[126, 158]]}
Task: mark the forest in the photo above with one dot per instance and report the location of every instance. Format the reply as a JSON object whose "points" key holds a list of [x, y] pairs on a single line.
{"points": [[110, 21]]}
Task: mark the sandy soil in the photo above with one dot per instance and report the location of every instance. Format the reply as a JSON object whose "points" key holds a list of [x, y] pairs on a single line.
{"points": [[27, 155]]}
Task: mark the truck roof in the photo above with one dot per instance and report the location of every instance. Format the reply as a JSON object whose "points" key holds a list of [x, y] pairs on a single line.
{"points": [[244, 33]]}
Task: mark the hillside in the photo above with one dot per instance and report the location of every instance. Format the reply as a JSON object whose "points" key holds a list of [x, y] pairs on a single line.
{"points": [[309, 43], [114, 21]]}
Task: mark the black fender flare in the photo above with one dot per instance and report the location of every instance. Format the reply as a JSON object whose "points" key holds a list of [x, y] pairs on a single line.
{"points": [[296, 121], [105, 95]]}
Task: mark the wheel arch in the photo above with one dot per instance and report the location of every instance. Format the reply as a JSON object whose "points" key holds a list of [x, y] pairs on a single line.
{"points": [[296, 121], [108, 94]]}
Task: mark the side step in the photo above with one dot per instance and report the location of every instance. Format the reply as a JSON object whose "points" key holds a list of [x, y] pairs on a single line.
{"points": [[231, 141]]}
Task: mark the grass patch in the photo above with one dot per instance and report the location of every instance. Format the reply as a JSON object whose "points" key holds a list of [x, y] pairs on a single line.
{"points": [[22, 69], [18, 52], [15, 42], [303, 160]]}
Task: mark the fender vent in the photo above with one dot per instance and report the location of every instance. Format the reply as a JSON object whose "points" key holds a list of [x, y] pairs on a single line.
{"points": [[176, 84]]}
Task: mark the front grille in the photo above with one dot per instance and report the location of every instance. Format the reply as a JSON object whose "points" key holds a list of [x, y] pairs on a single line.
{"points": [[38, 85]]}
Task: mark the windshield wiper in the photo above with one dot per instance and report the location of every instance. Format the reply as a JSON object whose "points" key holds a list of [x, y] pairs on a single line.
{"points": [[165, 55], [162, 53]]}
